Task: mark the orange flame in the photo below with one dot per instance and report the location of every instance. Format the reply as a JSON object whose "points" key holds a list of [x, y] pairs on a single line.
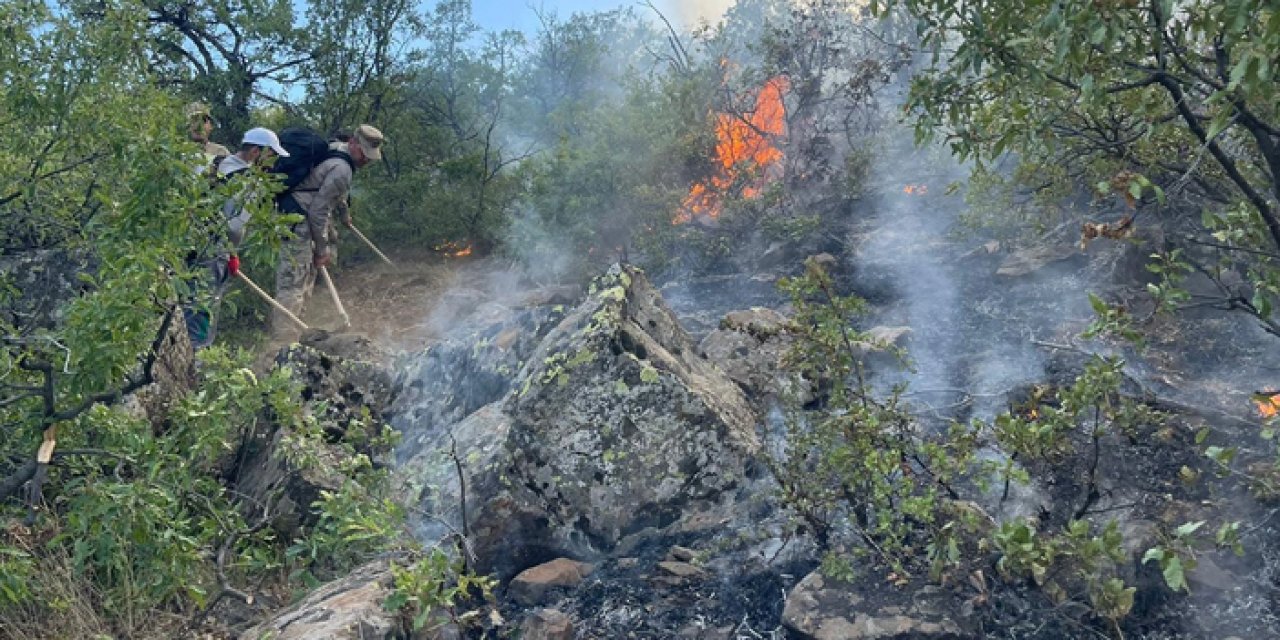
{"points": [[916, 189], [454, 249], [1268, 403], [744, 145]]}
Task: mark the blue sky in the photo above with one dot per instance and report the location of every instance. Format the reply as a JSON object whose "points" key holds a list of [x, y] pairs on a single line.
{"points": [[495, 15]]}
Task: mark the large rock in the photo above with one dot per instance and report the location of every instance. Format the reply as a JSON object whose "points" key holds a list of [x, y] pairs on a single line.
{"points": [[44, 281], [618, 424], [749, 347], [820, 608], [342, 390], [471, 368], [532, 584], [346, 609], [288, 471], [615, 425]]}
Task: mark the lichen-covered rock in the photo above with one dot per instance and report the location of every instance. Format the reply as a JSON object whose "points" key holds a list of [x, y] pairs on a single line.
{"points": [[619, 425], [749, 347], [468, 370], [613, 425], [820, 608], [349, 392], [45, 280], [346, 609], [288, 471]]}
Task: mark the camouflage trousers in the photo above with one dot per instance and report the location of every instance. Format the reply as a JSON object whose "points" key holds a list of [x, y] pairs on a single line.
{"points": [[201, 312], [295, 280]]}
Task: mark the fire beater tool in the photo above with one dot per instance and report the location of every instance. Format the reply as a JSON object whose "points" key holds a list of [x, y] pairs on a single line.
{"points": [[272, 301], [370, 243], [333, 292]]}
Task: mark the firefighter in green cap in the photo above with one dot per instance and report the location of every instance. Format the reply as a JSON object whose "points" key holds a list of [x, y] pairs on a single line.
{"points": [[199, 126]]}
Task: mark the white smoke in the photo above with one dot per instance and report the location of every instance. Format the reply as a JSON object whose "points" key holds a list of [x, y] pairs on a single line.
{"points": [[689, 14]]}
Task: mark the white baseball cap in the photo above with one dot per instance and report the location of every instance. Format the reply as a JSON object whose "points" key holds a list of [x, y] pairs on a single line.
{"points": [[264, 137]]}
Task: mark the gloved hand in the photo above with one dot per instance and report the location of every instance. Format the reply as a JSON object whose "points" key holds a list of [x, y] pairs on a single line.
{"points": [[233, 265]]}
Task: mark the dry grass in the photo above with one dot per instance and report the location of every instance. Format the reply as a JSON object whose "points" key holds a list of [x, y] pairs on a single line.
{"points": [[67, 606]]}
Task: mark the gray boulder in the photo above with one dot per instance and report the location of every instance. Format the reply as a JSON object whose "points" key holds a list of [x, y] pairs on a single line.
{"points": [[821, 608], [749, 346], [346, 609], [471, 368], [618, 425], [613, 426]]}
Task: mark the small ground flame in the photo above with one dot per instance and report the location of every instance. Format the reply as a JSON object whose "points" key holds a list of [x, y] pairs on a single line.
{"points": [[453, 249], [916, 189], [744, 148], [1268, 403]]}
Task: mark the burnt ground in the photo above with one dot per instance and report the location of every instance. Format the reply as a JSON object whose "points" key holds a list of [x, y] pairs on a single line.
{"points": [[981, 337], [628, 596]]}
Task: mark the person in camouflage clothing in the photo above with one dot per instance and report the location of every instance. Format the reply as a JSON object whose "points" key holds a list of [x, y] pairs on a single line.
{"points": [[322, 195], [199, 127]]}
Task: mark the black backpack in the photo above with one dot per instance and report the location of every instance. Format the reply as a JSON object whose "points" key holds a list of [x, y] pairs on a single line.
{"points": [[306, 150]]}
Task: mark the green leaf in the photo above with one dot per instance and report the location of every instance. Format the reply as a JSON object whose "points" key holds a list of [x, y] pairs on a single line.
{"points": [[1217, 125], [1239, 71], [1098, 34], [1202, 435], [1154, 553], [1174, 576], [1188, 528], [1099, 307]]}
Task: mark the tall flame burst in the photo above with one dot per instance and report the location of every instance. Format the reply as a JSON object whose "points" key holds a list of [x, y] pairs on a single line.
{"points": [[744, 146]]}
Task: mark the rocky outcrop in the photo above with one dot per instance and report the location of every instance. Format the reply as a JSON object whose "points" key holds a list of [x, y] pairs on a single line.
{"points": [[346, 609], [749, 347], [615, 425], [468, 370], [618, 424], [287, 472], [344, 391], [820, 608]]}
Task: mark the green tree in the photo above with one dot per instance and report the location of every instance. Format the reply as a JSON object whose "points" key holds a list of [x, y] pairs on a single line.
{"points": [[99, 175], [1163, 103], [229, 54], [448, 139], [362, 62]]}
